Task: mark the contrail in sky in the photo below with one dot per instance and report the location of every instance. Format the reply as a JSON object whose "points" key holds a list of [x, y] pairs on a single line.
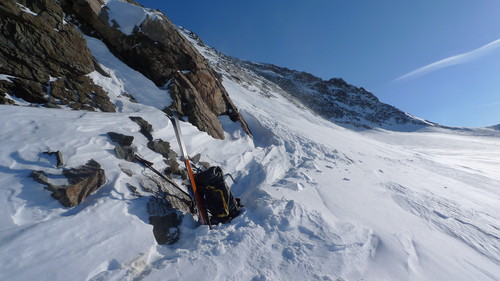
{"points": [[458, 59]]}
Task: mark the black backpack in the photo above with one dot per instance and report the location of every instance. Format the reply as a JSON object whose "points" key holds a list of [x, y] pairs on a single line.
{"points": [[217, 197]]}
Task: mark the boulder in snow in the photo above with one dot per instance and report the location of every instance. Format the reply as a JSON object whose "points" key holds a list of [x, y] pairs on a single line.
{"points": [[82, 181]]}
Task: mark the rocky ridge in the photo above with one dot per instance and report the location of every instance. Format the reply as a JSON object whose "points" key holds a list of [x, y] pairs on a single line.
{"points": [[156, 49], [333, 99], [44, 59]]}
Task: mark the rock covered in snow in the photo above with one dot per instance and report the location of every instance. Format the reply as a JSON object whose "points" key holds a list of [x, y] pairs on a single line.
{"points": [[149, 43]]}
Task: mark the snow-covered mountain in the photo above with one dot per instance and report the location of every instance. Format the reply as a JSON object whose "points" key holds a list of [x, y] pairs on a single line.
{"points": [[322, 202], [333, 99]]}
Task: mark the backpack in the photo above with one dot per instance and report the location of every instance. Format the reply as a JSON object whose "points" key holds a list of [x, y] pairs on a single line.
{"points": [[216, 195]]}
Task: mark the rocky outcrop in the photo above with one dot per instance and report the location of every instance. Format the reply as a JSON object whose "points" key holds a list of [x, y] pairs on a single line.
{"points": [[82, 182], [157, 49], [121, 139], [145, 128], [46, 58], [333, 99], [162, 147]]}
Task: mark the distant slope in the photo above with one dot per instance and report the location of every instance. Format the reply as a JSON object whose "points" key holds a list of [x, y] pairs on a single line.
{"points": [[333, 99], [496, 127]]}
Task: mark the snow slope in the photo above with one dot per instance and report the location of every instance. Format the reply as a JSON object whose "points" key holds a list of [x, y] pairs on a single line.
{"points": [[322, 202]]}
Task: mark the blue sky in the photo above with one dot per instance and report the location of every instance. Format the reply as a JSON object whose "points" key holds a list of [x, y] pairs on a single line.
{"points": [[436, 59]]}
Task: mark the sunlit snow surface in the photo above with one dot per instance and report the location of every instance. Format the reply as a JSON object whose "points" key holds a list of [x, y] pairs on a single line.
{"points": [[127, 17], [322, 202]]}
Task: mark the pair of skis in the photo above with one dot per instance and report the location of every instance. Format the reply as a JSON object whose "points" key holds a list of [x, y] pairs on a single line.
{"points": [[202, 211]]}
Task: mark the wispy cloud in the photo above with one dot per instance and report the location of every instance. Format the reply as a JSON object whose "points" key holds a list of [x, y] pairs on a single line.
{"points": [[488, 104], [458, 59]]}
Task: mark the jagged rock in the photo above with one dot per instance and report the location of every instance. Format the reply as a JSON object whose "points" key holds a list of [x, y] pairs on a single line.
{"points": [[88, 96], [162, 189], [125, 152], [172, 155], [162, 147], [195, 159], [3, 96], [173, 167], [47, 57], [146, 128], [82, 181], [161, 53], [133, 190], [130, 97], [126, 171], [120, 139], [187, 101]]}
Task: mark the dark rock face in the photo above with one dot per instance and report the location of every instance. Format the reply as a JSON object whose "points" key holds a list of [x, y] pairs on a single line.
{"points": [[161, 53], [47, 57]]}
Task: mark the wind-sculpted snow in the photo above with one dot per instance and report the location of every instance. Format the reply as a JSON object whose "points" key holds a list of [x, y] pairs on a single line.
{"points": [[476, 229], [285, 243]]}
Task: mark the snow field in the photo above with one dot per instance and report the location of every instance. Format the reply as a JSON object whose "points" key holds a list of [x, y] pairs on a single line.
{"points": [[322, 202]]}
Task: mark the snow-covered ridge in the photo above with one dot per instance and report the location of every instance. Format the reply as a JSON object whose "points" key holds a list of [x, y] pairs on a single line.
{"points": [[334, 99]]}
